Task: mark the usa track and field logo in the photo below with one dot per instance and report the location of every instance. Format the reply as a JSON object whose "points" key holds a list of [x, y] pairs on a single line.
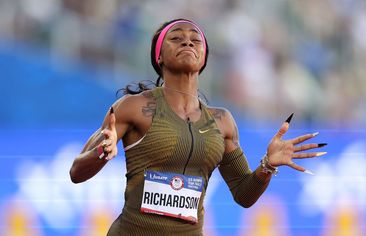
{"points": [[177, 183]]}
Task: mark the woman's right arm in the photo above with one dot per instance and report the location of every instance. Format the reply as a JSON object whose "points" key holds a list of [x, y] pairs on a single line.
{"points": [[88, 163], [104, 141]]}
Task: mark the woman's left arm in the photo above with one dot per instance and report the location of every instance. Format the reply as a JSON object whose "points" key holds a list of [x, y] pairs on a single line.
{"points": [[245, 185]]}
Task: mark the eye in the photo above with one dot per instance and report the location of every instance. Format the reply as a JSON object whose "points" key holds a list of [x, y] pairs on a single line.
{"points": [[196, 40], [175, 38]]}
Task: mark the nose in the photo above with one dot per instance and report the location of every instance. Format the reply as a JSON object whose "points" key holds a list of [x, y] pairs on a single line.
{"points": [[187, 42]]}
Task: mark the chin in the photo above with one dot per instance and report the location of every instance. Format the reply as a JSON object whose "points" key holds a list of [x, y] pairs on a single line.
{"points": [[189, 65], [189, 68]]}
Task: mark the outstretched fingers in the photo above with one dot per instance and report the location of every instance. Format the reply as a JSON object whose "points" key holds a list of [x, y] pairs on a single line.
{"points": [[282, 130], [302, 155], [295, 166], [309, 146], [307, 155], [298, 154], [284, 127], [303, 138]]}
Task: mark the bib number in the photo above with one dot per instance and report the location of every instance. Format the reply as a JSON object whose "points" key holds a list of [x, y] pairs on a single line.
{"points": [[172, 195]]}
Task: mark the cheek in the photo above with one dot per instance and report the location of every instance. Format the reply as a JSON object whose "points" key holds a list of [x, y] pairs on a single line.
{"points": [[166, 52], [202, 56]]}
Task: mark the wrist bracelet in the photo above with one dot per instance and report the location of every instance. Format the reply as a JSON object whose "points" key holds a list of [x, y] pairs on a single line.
{"points": [[267, 167], [101, 152]]}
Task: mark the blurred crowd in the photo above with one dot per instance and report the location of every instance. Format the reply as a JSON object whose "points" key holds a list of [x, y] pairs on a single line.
{"points": [[267, 58]]}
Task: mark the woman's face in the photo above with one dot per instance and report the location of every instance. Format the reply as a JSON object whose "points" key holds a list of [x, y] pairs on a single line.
{"points": [[182, 49]]}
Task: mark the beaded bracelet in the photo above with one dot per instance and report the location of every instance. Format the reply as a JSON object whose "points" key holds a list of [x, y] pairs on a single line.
{"points": [[267, 167]]}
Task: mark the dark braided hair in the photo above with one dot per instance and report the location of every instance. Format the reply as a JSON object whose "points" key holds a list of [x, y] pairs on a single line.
{"points": [[144, 85]]}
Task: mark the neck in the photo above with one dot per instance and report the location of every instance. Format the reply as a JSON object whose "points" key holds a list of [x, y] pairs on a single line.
{"points": [[194, 95], [182, 79], [181, 92], [187, 83], [183, 99]]}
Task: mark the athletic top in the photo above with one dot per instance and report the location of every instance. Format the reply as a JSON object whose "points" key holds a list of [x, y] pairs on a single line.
{"points": [[178, 146]]}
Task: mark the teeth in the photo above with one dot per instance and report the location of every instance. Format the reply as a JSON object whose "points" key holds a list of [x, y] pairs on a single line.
{"points": [[320, 154], [308, 172]]}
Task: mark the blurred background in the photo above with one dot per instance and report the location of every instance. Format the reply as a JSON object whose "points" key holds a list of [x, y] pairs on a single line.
{"points": [[62, 62]]}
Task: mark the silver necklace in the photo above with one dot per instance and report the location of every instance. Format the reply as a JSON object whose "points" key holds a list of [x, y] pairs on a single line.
{"points": [[178, 91]]}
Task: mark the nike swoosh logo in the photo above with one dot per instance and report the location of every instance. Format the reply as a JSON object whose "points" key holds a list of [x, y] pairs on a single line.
{"points": [[203, 131]]}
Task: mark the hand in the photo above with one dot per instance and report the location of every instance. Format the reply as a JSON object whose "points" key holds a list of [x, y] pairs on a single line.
{"points": [[281, 152], [109, 143]]}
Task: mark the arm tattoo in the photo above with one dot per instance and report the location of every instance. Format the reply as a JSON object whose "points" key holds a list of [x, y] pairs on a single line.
{"points": [[149, 109], [218, 113]]}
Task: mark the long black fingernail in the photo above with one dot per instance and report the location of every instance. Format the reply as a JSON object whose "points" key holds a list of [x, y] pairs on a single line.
{"points": [[322, 144], [111, 110], [288, 120]]}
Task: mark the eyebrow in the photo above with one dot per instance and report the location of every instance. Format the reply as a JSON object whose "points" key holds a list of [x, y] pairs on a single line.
{"points": [[180, 29]]}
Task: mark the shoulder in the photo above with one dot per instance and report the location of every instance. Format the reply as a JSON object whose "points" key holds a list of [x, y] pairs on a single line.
{"points": [[219, 113], [224, 119], [134, 100], [130, 106]]}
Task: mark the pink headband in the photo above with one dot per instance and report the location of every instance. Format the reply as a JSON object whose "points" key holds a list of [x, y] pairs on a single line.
{"points": [[161, 37]]}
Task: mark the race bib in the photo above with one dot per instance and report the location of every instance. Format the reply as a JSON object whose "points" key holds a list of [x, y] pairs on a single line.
{"points": [[171, 194]]}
